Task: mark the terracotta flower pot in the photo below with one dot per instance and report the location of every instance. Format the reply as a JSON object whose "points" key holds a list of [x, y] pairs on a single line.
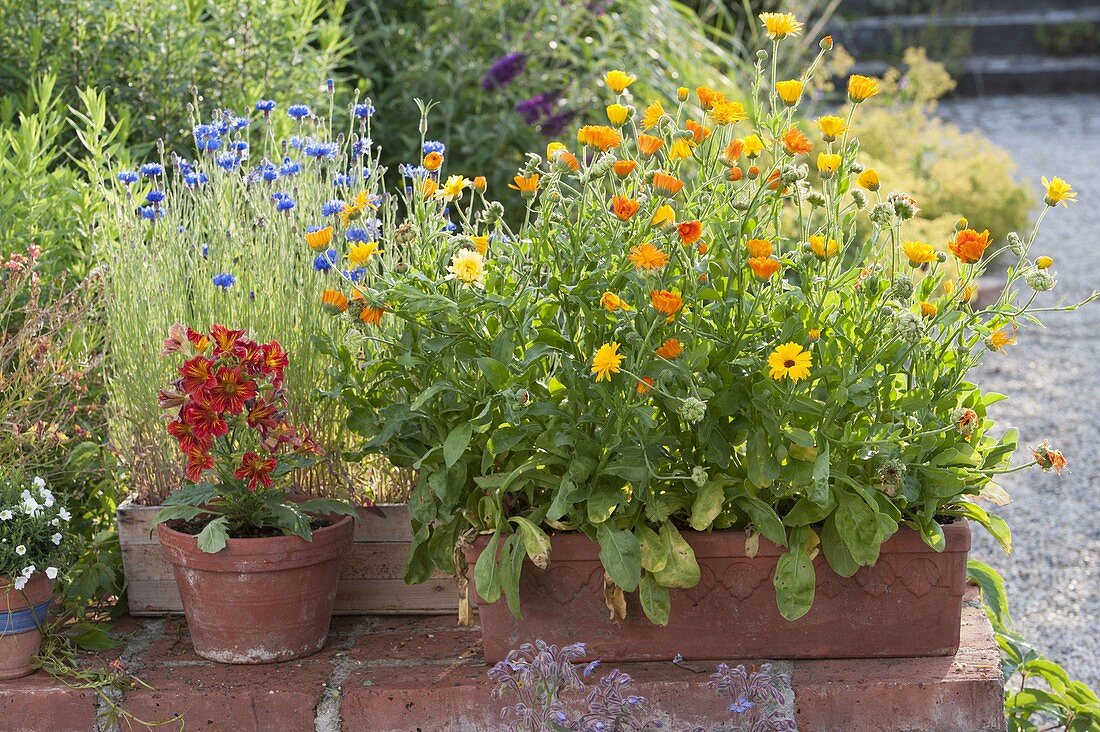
{"points": [[908, 604], [258, 600], [22, 612]]}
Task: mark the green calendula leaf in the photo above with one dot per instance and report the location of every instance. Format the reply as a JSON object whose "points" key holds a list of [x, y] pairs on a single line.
{"points": [[764, 518], [819, 493], [620, 554], [495, 372], [794, 583], [418, 566], [682, 569], [213, 537], [511, 566], [457, 441], [487, 571], [655, 599], [836, 550], [654, 551], [708, 504], [535, 541]]}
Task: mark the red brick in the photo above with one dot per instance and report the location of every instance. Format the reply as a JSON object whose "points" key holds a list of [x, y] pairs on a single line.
{"points": [[39, 702], [418, 645]]}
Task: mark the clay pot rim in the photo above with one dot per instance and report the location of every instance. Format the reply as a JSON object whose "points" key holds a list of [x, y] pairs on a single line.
{"points": [[39, 589], [575, 545], [256, 554]]}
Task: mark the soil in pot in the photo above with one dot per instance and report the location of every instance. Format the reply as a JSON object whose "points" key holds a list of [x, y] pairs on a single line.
{"points": [[22, 612], [259, 600]]}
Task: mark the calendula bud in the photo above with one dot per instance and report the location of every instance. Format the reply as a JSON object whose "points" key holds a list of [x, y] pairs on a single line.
{"points": [[480, 184], [494, 212], [856, 167], [682, 93], [961, 224], [1040, 280], [699, 476], [826, 43], [761, 55], [859, 198], [693, 410], [1044, 262], [815, 199], [1015, 244], [754, 172]]}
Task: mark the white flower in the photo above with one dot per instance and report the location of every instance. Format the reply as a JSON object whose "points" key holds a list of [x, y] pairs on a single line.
{"points": [[30, 506], [51, 572], [38, 483], [47, 497], [20, 583], [29, 570], [56, 539], [55, 522], [5, 515], [64, 514], [21, 550]]}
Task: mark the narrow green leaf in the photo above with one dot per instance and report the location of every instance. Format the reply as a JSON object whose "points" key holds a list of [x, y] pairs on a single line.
{"points": [[620, 554], [487, 571], [655, 599], [535, 541], [708, 504], [457, 441]]}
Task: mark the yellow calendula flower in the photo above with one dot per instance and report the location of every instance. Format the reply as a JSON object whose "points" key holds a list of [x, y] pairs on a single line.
{"points": [[1058, 191], [652, 115], [928, 309], [320, 239], [823, 249], [680, 149], [553, 147], [664, 217], [919, 253], [606, 361], [467, 266], [599, 136], [1044, 262], [617, 114], [453, 188], [618, 81], [831, 127], [790, 361], [527, 186], [647, 257], [861, 88], [828, 163], [481, 243], [611, 302], [1001, 338], [780, 25], [428, 187], [360, 252], [682, 93], [727, 113], [869, 179], [789, 91], [355, 208], [752, 145], [813, 334]]}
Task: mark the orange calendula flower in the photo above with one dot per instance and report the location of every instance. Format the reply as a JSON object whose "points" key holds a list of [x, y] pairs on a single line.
{"points": [[320, 239], [527, 186], [919, 253], [334, 301], [733, 151], [666, 184], [690, 231], [823, 249], [861, 88], [727, 113], [709, 97], [428, 187], [702, 248], [831, 127], [645, 385], [1058, 191], [828, 163], [869, 179], [813, 334], [789, 91], [623, 168], [611, 302], [648, 257], [557, 152], [969, 245], [618, 81], [1001, 338], [968, 292], [780, 25], [666, 302], [1048, 459], [736, 174], [759, 248], [928, 309], [774, 181], [790, 361], [670, 349], [698, 131], [652, 115], [599, 136], [648, 145], [480, 183], [606, 361], [624, 208], [764, 267], [433, 160], [796, 142], [371, 315], [617, 114]]}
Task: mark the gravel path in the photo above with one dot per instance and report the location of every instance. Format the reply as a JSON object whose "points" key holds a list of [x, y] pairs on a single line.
{"points": [[1053, 384]]}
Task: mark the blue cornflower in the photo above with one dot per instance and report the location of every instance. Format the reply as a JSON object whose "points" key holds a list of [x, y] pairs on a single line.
{"points": [[323, 262], [361, 147], [194, 180], [228, 160], [207, 137], [265, 105], [284, 203], [355, 275], [741, 706], [239, 146], [238, 123], [183, 166], [449, 227], [322, 150], [150, 213], [331, 208], [205, 251], [330, 85], [269, 172], [341, 181], [357, 233], [224, 280], [289, 167], [434, 146], [154, 196], [126, 177], [152, 170], [182, 229], [412, 171], [373, 227], [299, 143], [362, 111], [298, 111]]}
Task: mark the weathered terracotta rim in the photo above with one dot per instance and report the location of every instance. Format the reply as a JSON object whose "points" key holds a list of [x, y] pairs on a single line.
{"points": [[39, 589], [264, 554], [576, 546]]}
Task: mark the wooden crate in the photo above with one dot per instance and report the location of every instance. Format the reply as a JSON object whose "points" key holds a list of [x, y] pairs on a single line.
{"points": [[371, 582]]}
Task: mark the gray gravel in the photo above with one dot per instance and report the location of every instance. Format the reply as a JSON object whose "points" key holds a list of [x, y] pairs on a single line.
{"points": [[1053, 385]]}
